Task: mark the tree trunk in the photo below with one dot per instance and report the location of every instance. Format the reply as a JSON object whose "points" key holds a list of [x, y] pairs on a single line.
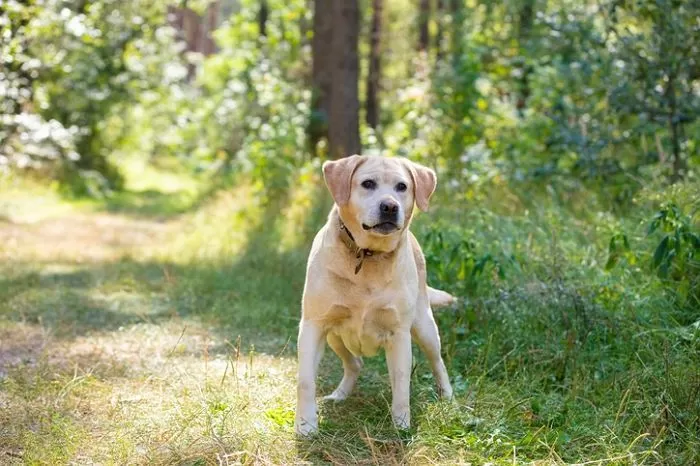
{"points": [[526, 17], [372, 104], [211, 20], [262, 17], [457, 14], [343, 127], [439, 33], [678, 162], [321, 71], [423, 19], [674, 125]]}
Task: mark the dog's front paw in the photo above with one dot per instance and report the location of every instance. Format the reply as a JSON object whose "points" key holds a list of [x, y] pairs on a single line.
{"points": [[446, 393], [305, 427], [402, 420]]}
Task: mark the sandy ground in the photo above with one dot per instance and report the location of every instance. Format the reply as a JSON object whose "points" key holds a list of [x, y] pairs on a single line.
{"points": [[79, 238]]}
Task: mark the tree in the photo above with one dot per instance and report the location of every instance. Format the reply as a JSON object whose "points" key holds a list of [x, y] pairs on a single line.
{"points": [[78, 60], [526, 16], [423, 20], [28, 140], [658, 67], [374, 74], [457, 14], [321, 75], [262, 17], [439, 20], [343, 123]]}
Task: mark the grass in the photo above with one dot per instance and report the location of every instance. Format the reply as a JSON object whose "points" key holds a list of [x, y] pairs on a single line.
{"points": [[159, 327]]}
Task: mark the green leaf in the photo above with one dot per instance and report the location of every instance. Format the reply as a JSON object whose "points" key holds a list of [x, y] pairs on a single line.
{"points": [[625, 242], [660, 252], [693, 239], [656, 221]]}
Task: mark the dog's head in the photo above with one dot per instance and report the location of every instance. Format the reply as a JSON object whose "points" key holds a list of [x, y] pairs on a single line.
{"points": [[376, 195]]}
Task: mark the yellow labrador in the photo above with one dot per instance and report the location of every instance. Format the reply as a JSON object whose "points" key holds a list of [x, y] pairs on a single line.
{"points": [[366, 283]]}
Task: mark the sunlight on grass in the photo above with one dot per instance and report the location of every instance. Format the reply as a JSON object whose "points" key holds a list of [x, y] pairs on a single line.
{"points": [[303, 204], [141, 175], [24, 200], [172, 392], [217, 231], [125, 339]]}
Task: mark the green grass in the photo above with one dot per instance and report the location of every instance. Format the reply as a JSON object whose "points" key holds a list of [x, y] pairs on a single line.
{"points": [[163, 331]]}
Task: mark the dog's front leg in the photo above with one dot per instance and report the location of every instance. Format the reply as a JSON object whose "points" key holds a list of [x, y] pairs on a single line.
{"points": [[310, 344], [399, 360]]}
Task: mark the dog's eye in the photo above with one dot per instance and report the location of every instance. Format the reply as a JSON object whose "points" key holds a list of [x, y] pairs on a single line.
{"points": [[369, 184], [401, 187]]}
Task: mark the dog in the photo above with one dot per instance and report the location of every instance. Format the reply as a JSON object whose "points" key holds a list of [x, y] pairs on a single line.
{"points": [[366, 283]]}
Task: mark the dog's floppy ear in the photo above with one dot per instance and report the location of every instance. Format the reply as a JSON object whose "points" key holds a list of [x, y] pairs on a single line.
{"points": [[338, 176], [424, 183]]}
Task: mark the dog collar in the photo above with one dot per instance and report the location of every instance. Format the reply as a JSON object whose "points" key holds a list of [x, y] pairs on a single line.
{"points": [[349, 241]]}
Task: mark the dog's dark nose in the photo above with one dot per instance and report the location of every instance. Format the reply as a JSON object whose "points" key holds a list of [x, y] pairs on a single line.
{"points": [[388, 208]]}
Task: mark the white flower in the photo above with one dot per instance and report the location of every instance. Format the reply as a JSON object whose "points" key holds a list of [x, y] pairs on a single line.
{"points": [[75, 26], [483, 85]]}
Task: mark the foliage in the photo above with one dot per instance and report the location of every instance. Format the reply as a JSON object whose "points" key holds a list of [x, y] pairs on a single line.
{"points": [[520, 89], [542, 309], [254, 87], [655, 45], [667, 246], [26, 138], [566, 220], [69, 67], [557, 93], [183, 329], [452, 255], [679, 245]]}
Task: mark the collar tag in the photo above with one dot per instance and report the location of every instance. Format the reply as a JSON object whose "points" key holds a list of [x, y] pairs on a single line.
{"points": [[358, 266], [361, 254]]}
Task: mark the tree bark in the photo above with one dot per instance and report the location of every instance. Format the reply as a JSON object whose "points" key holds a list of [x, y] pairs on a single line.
{"points": [[423, 19], [678, 162], [439, 33], [674, 126], [457, 14], [321, 71], [343, 128], [374, 74], [262, 17], [526, 17], [212, 21]]}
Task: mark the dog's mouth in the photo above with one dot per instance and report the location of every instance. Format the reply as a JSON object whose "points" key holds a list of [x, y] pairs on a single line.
{"points": [[384, 228]]}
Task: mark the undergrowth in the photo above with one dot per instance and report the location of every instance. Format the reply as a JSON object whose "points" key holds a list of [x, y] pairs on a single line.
{"points": [[179, 348]]}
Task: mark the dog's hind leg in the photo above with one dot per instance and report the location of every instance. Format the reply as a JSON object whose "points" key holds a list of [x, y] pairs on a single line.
{"points": [[351, 368]]}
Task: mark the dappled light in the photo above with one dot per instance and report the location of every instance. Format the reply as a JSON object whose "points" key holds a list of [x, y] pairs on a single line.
{"points": [[161, 184]]}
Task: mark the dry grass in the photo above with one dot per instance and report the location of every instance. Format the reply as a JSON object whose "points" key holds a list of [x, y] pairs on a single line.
{"points": [[129, 338], [144, 386]]}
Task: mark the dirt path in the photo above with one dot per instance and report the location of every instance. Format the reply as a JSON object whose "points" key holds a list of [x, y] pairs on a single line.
{"points": [[59, 246], [80, 238], [97, 366]]}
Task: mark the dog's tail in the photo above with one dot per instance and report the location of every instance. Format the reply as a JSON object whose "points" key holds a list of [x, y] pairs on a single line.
{"points": [[439, 298]]}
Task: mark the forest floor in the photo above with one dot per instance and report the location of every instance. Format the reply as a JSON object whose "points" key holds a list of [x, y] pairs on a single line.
{"points": [[158, 327], [107, 355], [96, 363]]}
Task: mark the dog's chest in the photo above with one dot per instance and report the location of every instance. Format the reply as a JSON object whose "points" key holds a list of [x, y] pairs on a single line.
{"points": [[365, 331], [367, 324]]}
